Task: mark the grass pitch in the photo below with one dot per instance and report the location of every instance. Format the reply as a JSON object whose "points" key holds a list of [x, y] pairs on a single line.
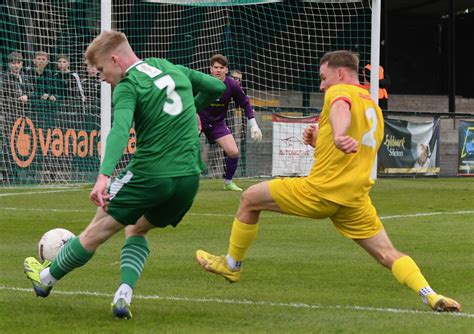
{"points": [[301, 276]]}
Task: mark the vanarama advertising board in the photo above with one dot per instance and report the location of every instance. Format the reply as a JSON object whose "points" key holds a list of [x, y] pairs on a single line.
{"points": [[28, 143]]}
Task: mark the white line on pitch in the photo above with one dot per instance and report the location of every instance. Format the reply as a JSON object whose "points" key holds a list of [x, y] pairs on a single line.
{"points": [[250, 302], [39, 192], [92, 211], [268, 214], [427, 214]]}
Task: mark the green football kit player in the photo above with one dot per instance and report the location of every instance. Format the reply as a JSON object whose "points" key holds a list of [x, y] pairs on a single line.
{"points": [[159, 184]]}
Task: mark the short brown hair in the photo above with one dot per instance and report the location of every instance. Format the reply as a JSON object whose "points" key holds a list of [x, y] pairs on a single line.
{"points": [[341, 58], [66, 57], [106, 42], [15, 56], [221, 59], [42, 53]]}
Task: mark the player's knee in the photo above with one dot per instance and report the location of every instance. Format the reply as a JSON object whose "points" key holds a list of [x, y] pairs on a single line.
{"points": [[233, 153], [249, 198], [136, 230]]}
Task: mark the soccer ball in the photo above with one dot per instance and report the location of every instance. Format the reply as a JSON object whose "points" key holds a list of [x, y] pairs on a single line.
{"points": [[52, 241]]}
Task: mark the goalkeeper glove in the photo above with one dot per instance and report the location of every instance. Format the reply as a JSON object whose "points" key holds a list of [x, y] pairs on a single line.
{"points": [[255, 132]]}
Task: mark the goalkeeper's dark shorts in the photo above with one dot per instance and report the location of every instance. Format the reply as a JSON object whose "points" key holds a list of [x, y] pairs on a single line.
{"points": [[162, 201], [215, 130]]}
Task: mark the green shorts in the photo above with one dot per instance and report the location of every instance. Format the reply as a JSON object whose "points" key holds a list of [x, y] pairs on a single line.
{"points": [[162, 201]]}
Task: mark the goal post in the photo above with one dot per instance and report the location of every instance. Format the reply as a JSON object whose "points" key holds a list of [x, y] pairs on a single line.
{"points": [[105, 88], [275, 44]]}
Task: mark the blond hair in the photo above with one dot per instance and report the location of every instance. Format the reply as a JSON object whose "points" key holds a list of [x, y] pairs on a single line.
{"points": [[107, 42], [341, 58]]}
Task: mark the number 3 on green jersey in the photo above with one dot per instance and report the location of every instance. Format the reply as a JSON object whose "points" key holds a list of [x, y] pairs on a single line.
{"points": [[174, 105]]}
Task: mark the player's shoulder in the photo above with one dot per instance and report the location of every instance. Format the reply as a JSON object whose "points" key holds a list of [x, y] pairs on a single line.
{"points": [[158, 62], [344, 88], [150, 67], [167, 67], [231, 84]]}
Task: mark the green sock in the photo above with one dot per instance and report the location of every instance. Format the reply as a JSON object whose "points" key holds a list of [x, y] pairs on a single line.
{"points": [[73, 255], [132, 259]]}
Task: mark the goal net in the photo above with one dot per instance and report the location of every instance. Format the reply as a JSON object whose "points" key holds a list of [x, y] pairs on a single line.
{"points": [[275, 44], [50, 107]]}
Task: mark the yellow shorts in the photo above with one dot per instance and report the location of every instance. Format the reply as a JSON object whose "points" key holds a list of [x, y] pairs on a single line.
{"points": [[295, 196]]}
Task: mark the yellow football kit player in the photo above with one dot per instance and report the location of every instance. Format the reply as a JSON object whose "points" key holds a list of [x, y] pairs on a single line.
{"points": [[338, 185]]}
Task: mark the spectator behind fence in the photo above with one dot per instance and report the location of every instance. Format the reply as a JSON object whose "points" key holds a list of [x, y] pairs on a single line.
{"points": [[91, 85], [237, 76], [15, 86], [44, 113], [384, 83], [41, 78], [68, 82], [14, 98]]}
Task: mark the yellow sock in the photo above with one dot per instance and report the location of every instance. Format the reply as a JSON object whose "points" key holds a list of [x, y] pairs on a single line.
{"points": [[407, 272], [241, 237]]}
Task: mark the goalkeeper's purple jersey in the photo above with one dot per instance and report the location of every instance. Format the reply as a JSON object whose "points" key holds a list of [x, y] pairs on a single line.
{"points": [[217, 110]]}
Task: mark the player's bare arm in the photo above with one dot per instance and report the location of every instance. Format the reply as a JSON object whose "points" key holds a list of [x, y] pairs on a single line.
{"points": [[340, 117]]}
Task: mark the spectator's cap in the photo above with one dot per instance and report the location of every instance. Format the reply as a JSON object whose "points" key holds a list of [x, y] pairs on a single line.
{"points": [[15, 56]]}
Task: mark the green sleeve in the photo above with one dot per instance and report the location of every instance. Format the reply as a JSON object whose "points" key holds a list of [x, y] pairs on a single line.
{"points": [[206, 88], [124, 101]]}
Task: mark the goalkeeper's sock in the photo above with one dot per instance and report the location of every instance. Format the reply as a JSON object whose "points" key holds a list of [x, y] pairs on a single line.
{"points": [[73, 255], [230, 168], [124, 291], [407, 272], [132, 259], [241, 237]]}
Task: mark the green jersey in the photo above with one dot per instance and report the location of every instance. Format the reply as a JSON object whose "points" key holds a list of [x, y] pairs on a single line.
{"points": [[156, 97]]}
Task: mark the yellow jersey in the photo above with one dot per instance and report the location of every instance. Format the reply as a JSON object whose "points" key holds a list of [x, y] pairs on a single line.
{"points": [[345, 178]]}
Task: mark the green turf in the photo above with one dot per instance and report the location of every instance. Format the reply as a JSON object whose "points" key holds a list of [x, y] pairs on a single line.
{"points": [[301, 276]]}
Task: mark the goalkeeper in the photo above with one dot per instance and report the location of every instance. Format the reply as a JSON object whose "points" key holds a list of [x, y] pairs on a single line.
{"points": [[158, 186], [346, 142], [213, 122]]}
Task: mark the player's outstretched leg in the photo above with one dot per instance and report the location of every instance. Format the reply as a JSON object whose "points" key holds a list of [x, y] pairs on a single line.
{"points": [[408, 273], [33, 268], [217, 265]]}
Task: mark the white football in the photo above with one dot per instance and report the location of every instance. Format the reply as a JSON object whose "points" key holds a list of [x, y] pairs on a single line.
{"points": [[52, 241]]}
